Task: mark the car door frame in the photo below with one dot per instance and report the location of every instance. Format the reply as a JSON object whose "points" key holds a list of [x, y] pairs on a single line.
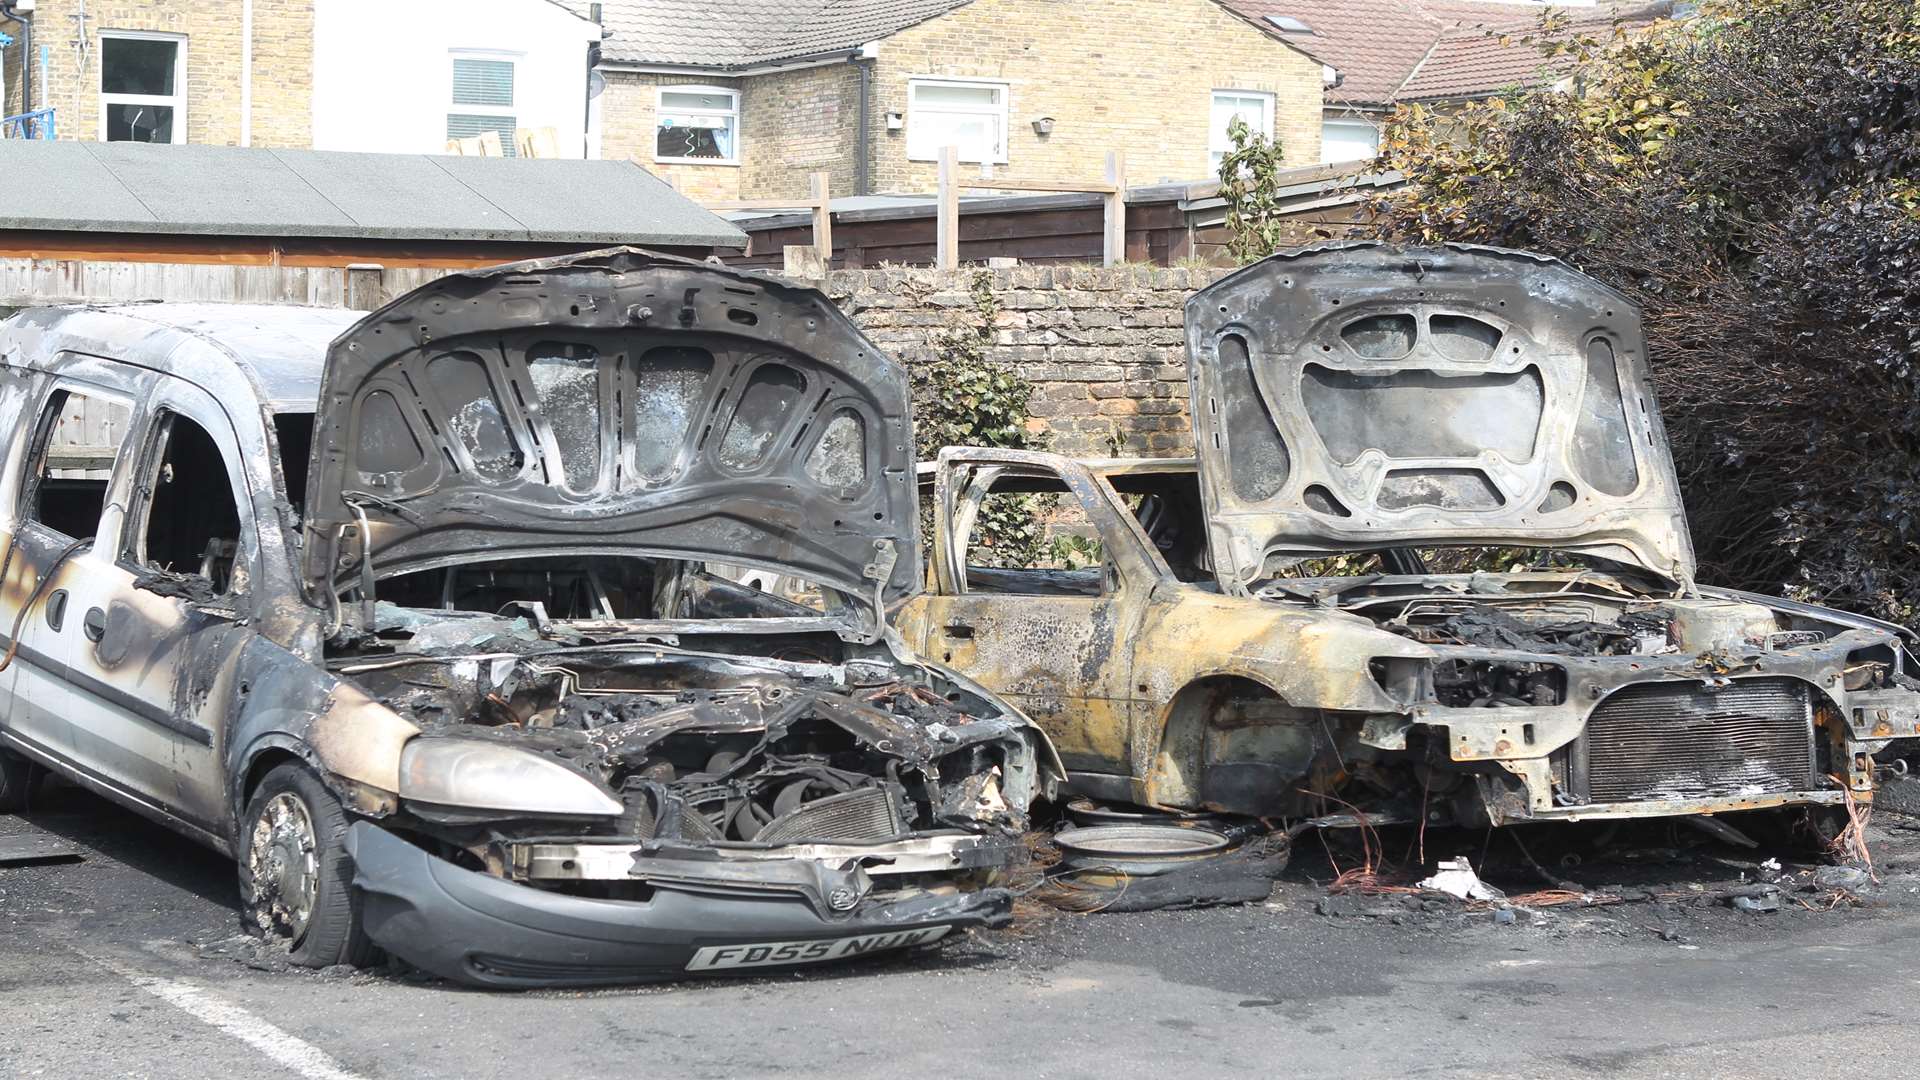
{"points": [[1133, 572], [193, 644]]}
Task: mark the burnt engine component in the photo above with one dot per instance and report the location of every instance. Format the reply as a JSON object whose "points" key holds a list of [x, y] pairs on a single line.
{"points": [[1493, 683]]}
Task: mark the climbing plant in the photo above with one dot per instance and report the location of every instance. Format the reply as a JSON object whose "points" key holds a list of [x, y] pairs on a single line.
{"points": [[963, 397], [1250, 185]]}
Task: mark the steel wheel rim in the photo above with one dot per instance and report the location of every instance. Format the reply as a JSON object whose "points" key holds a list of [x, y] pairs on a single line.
{"points": [[284, 860]]}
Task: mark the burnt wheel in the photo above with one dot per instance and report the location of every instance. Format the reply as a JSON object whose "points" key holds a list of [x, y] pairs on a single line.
{"points": [[296, 881], [17, 777]]}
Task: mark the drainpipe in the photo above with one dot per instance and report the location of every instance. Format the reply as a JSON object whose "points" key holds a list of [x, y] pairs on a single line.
{"points": [[864, 65], [593, 61], [25, 19], [246, 73]]}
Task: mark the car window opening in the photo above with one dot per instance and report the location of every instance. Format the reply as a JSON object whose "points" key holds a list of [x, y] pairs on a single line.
{"points": [[610, 588], [80, 439], [1031, 535], [294, 431], [192, 523]]}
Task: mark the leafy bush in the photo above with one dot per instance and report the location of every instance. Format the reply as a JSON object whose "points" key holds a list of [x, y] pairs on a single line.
{"points": [[961, 397], [1748, 177]]}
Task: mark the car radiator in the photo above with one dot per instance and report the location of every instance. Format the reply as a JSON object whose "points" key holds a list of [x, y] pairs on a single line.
{"points": [[1688, 741]]}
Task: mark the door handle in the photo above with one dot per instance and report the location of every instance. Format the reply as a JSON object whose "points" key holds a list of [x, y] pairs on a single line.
{"points": [[56, 609], [959, 630], [94, 625]]}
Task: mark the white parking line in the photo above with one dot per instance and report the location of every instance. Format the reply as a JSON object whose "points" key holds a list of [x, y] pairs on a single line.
{"points": [[291, 1051]]}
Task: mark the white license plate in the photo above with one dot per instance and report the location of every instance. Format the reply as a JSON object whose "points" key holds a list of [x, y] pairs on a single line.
{"points": [[714, 957]]}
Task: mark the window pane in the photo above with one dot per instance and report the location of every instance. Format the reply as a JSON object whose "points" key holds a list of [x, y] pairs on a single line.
{"points": [[140, 123], [80, 438], [672, 99], [135, 66], [466, 127], [1342, 140], [1251, 108], [956, 97], [483, 82], [694, 136], [976, 136]]}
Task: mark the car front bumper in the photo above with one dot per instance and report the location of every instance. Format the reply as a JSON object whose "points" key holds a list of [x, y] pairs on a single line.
{"points": [[482, 930]]}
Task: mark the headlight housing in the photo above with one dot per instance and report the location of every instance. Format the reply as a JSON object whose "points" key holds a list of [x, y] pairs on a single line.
{"points": [[474, 774]]}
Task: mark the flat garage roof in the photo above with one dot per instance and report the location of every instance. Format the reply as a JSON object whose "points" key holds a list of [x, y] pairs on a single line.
{"points": [[251, 191]]}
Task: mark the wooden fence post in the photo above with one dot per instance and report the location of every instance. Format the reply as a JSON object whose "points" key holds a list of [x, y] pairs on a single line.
{"points": [[1114, 250], [947, 214], [823, 220]]}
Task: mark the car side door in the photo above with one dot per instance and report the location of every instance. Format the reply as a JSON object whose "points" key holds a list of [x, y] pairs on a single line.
{"points": [[1051, 626], [159, 613], [76, 425]]}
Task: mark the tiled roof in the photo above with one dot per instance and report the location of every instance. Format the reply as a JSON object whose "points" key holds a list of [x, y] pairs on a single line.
{"points": [[720, 34], [1398, 50], [731, 34]]}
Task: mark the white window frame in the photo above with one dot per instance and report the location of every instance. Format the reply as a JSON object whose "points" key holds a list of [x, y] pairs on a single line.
{"points": [[731, 112], [999, 113], [508, 112], [1349, 122], [1226, 145], [177, 101]]}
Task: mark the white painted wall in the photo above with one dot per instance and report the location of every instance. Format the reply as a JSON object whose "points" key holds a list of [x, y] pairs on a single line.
{"points": [[383, 69]]}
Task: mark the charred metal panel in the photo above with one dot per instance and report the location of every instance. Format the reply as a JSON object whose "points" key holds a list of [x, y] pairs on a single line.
{"points": [[616, 399], [1356, 396]]}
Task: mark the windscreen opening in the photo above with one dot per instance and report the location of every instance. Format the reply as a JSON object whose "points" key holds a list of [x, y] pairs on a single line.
{"points": [[606, 587]]}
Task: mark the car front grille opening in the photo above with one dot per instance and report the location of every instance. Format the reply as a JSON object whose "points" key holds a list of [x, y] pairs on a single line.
{"points": [[1690, 741]]}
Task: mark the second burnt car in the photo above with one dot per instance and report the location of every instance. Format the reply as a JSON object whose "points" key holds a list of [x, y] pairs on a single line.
{"points": [[1290, 624], [417, 616]]}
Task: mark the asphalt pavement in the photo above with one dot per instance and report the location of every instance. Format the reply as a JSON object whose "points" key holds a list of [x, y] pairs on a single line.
{"points": [[129, 964]]}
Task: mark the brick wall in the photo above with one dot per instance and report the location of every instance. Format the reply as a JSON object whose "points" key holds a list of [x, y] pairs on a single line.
{"points": [[792, 124], [282, 65], [628, 107], [1104, 347], [1131, 75], [798, 123]]}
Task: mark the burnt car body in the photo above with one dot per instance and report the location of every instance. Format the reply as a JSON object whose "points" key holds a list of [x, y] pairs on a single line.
{"points": [[414, 615], [1263, 631]]}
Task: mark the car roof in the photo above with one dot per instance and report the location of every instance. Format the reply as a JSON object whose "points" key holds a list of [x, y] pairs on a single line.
{"points": [[279, 350]]}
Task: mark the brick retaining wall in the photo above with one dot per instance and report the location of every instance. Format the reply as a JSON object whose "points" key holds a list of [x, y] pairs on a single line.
{"points": [[1104, 347]]}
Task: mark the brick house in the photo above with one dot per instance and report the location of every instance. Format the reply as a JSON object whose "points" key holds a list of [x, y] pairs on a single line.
{"points": [[1432, 52], [327, 74], [745, 98]]}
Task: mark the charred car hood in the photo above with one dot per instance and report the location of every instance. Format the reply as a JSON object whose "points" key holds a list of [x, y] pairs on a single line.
{"points": [[1358, 396], [614, 401]]}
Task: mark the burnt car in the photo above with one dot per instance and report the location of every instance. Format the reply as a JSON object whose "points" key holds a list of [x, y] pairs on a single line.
{"points": [[420, 617], [1430, 563]]}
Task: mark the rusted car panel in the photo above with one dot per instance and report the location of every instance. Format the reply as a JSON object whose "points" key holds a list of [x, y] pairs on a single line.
{"points": [[498, 632], [1201, 666], [1356, 395]]}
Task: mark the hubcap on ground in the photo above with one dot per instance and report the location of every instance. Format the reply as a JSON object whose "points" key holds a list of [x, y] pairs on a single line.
{"points": [[284, 861]]}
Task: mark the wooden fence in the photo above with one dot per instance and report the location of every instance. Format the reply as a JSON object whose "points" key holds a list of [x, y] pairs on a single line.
{"points": [[33, 282]]}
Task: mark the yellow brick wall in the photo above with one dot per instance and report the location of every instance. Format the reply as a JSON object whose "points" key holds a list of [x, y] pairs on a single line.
{"points": [[792, 124], [627, 108], [282, 65], [1131, 75]]}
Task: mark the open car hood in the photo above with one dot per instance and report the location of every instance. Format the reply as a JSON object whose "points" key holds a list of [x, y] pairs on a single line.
{"points": [[1358, 397], [615, 401]]}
